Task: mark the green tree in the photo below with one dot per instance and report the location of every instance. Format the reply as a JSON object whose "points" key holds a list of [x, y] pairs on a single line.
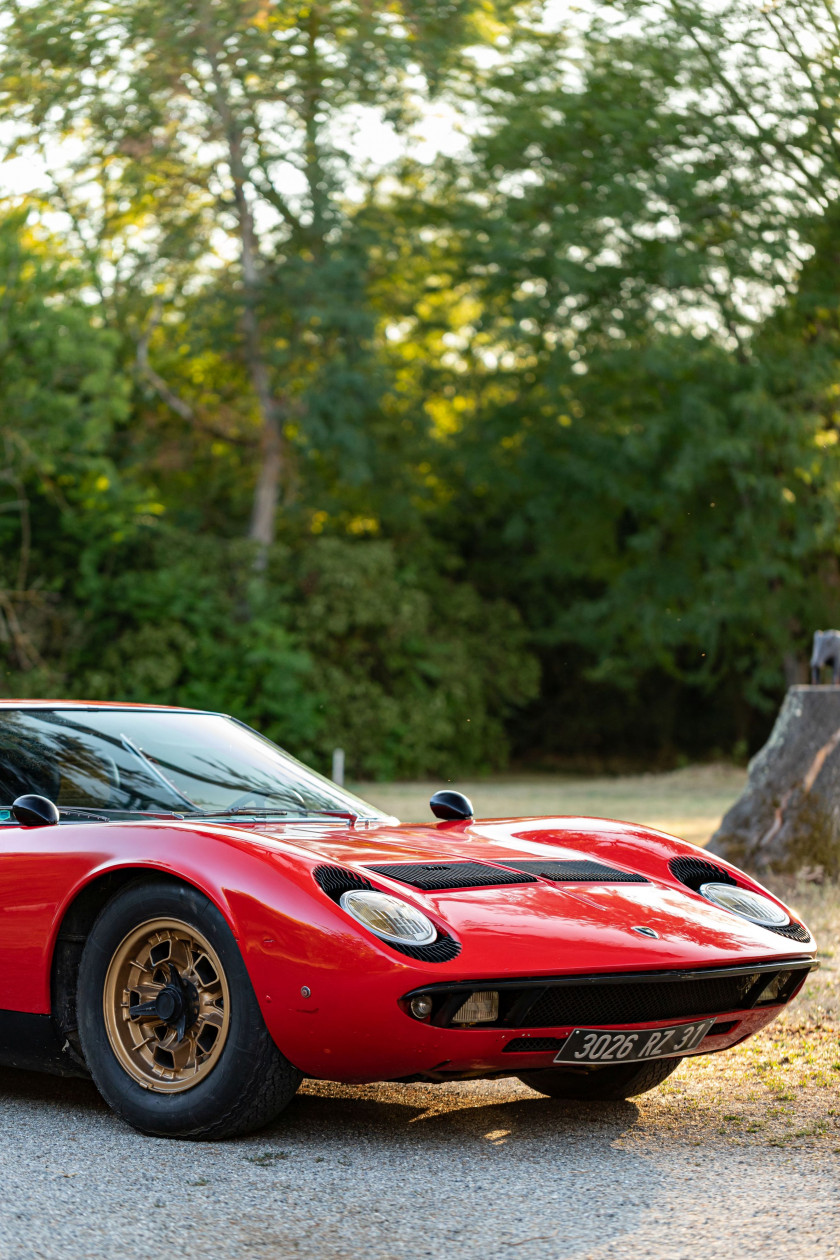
{"points": [[215, 128], [633, 393], [62, 396]]}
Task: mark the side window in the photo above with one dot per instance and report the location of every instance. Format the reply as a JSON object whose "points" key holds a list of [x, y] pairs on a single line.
{"points": [[58, 756], [24, 763]]}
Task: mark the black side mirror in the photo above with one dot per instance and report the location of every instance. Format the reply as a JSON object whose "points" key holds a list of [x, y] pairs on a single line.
{"points": [[451, 806], [35, 811]]}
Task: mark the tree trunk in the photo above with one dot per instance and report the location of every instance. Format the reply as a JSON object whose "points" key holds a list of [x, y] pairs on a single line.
{"points": [[267, 493], [269, 475], [789, 814]]}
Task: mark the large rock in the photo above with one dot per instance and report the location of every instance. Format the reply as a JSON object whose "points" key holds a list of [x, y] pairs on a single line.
{"points": [[789, 814]]}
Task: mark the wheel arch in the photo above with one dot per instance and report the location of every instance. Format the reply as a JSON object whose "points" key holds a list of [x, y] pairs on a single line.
{"points": [[78, 917]]}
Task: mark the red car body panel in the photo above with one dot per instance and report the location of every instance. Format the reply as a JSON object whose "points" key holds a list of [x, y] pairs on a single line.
{"points": [[294, 938]]}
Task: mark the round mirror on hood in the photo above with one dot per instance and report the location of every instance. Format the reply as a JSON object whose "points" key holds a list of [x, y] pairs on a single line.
{"points": [[451, 806], [35, 811]]}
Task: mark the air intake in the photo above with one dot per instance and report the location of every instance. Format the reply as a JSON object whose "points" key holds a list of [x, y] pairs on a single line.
{"points": [[533, 1045], [625, 999], [440, 876], [577, 871], [640, 1003]]}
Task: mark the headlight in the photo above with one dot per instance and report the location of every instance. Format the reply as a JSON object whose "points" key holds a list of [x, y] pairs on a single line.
{"points": [[388, 917], [749, 905]]}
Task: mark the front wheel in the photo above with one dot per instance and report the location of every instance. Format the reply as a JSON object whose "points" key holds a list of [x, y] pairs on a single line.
{"points": [[603, 1084], [169, 1022]]}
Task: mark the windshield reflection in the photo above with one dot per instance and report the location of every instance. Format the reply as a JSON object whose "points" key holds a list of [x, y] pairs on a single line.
{"points": [[134, 760]]}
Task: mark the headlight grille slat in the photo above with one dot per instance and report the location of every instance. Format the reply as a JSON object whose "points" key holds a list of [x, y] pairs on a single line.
{"points": [[335, 880], [793, 931], [694, 872]]}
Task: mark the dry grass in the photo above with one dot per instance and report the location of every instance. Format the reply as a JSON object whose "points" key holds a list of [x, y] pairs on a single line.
{"points": [[819, 906], [782, 1087], [686, 803]]}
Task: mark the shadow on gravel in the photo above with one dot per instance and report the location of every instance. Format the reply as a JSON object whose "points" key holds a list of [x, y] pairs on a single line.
{"points": [[17, 1086], [393, 1172], [344, 1113], [344, 1117]]}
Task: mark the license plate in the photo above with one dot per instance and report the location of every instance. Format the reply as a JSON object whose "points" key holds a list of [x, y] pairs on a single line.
{"points": [[593, 1045]]}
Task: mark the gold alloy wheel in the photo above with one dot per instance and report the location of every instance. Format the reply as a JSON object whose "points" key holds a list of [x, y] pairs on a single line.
{"points": [[166, 1005]]}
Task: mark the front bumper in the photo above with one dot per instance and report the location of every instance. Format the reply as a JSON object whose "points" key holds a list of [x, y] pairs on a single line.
{"points": [[614, 999], [363, 1035]]}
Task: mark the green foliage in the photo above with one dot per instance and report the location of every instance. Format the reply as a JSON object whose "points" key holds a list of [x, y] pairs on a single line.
{"points": [[646, 461], [417, 676], [341, 645], [61, 392], [179, 619], [562, 408]]}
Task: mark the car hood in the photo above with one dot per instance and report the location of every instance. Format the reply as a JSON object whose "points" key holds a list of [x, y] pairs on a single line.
{"points": [[547, 926]]}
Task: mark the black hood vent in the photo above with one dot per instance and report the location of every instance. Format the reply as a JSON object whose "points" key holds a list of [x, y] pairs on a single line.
{"points": [[577, 871], [440, 876]]}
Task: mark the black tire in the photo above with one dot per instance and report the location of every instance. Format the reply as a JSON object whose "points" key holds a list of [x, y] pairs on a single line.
{"points": [[605, 1084], [250, 1082]]}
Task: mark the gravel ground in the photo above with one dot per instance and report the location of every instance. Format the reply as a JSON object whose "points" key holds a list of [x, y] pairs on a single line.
{"points": [[480, 1169]]}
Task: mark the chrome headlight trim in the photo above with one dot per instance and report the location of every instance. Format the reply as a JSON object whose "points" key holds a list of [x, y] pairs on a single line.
{"points": [[390, 918], [746, 904]]}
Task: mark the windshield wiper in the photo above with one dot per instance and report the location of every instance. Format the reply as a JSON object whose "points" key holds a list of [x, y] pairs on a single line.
{"points": [[253, 813], [156, 773], [275, 813], [117, 815], [82, 813]]}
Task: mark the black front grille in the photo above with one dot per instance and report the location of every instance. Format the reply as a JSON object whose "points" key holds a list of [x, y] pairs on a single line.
{"points": [[794, 931], [335, 880], [438, 876], [628, 1003], [693, 872], [531, 1045], [625, 999], [578, 871], [722, 1026]]}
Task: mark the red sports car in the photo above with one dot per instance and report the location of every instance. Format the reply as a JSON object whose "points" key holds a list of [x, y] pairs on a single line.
{"points": [[197, 921]]}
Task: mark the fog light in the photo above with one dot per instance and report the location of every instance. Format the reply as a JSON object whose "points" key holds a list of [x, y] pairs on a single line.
{"points": [[479, 1008], [421, 1007], [775, 990]]}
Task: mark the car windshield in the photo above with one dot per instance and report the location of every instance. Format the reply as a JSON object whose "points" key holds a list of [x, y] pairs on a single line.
{"points": [[136, 760]]}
